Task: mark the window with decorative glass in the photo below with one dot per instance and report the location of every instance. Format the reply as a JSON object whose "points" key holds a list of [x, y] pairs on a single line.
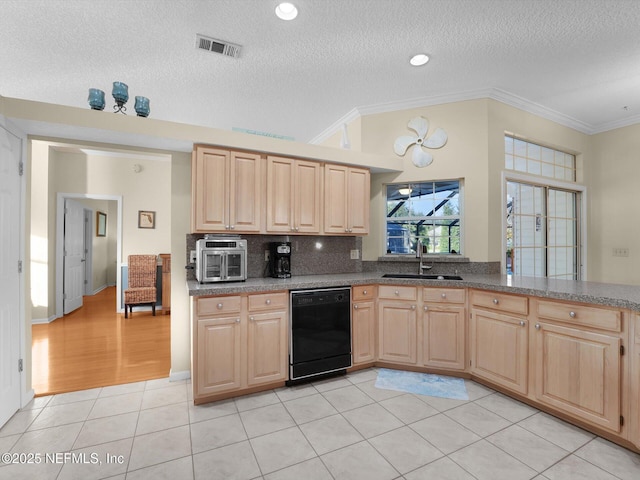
{"points": [[534, 159], [542, 215], [428, 211]]}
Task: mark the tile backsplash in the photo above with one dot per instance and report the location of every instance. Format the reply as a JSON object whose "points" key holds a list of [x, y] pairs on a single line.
{"points": [[310, 255], [316, 255]]}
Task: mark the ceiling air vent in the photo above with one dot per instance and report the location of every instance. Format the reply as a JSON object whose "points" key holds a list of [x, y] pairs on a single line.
{"points": [[217, 46]]}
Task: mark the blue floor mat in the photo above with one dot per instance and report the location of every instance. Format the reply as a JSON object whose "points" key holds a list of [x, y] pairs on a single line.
{"points": [[422, 384]]}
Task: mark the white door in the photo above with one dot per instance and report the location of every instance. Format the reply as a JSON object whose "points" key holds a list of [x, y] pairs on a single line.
{"points": [[10, 153], [88, 251], [73, 287]]}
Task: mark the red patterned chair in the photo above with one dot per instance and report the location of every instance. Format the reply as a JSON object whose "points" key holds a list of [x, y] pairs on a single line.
{"points": [[142, 283]]}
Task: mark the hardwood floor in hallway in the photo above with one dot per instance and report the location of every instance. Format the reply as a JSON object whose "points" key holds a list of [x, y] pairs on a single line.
{"points": [[95, 347]]}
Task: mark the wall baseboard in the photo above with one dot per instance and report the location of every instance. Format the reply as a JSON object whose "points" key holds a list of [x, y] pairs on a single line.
{"points": [[28, 396], [177, 376], [36, 321]]}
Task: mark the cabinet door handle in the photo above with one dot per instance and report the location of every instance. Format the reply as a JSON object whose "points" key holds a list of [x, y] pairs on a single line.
{"points": [[444, 295], [268, 301], [226, 227], [522, 324], [413, 307], [425, 308], [219, 306], [252, 318], [495, 301], [237, 320], [364, 292], [572, 314], [537, 326], [397, 292], [355, 306], [232, 227]]}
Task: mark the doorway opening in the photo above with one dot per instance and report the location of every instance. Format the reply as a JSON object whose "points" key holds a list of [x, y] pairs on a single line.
{"points": [[80, 338]]}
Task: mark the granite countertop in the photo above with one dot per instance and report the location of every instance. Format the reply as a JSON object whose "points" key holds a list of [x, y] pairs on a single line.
{"points": [[623, 296]]}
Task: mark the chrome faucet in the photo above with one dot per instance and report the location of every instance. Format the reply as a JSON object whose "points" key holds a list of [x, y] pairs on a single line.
{"points": [[419, 254]]}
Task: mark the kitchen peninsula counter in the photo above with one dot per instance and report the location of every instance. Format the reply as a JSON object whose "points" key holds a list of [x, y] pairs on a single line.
{"points": [[614, 295]]}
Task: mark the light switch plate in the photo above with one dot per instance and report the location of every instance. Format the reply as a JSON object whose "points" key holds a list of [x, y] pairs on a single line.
{"points": [[192, 256], [355, 254], [620, 252]]}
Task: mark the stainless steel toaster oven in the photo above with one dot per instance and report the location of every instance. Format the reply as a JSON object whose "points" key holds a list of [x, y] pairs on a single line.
{"points": [[221, 259]]}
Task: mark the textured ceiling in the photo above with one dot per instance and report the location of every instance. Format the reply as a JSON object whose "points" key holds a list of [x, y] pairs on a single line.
{"points": [[579, 59]]}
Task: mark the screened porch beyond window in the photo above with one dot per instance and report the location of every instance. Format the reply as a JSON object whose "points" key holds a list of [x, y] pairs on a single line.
{"points": [[426, 211]]}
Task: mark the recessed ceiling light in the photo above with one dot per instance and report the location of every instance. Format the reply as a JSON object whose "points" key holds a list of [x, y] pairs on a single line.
{"points": [[286, 11], [419, 59]]}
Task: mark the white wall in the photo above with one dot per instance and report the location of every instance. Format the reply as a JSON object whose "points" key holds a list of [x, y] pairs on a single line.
{"points": [[614, 205], [180, 300], [463, 157]]}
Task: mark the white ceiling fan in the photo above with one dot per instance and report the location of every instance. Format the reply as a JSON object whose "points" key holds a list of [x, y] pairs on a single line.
{"points": [[420, 157]]}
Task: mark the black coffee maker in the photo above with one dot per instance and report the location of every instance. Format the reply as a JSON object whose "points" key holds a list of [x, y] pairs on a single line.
{"points": [[280, 259]]}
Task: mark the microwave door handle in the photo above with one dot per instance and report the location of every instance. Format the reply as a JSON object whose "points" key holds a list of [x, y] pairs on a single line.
{"points": [[223, 266]]}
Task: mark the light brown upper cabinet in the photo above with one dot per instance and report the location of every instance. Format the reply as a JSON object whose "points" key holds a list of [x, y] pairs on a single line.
{"points": [[293, 195], [227, 191], [346, 200]]}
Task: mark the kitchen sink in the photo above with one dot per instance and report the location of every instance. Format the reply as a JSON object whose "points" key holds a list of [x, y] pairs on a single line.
{"points": [[417, 276]]}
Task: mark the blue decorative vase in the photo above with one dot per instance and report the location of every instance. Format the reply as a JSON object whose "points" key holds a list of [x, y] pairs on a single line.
{"points": [[120, 92], [96, 99], [121, 95], [142, 106]]}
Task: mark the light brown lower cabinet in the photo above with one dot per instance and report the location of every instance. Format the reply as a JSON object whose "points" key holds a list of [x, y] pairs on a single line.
{"points": [[577, 368], [219, 355], [397, 324], [443, 336], [240, 342], [634, 395], [443, 332], [499, 339], [267, 347], [363, 324]]}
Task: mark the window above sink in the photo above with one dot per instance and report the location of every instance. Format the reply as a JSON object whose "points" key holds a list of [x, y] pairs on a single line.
{"points": [[429, 211]]}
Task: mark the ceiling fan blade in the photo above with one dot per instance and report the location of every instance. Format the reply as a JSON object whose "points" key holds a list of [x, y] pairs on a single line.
{"points": [[437, 140], [420, 158], [420, 125], [402, 143]]}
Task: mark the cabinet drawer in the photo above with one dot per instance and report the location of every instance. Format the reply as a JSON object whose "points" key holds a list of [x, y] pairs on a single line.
{"points": [[443, 295], [600, 318], [218, 305], [363, 292], [395, 292], [500, 301], [268, 301]]}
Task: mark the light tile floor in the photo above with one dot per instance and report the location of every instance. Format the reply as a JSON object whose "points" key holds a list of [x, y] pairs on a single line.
{"points": [[340, 428]]}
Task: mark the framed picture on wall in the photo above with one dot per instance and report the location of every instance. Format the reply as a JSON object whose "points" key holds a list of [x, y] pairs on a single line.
{"points": [[146, 219], [101, 224]]}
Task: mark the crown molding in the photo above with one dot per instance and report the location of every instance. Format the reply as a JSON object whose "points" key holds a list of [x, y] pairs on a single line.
{"points": [[350, 116], [605, 127], [491, 93]]}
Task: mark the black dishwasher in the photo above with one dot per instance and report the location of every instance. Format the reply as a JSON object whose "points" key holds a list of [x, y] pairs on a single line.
{"points": [[320, 332]]}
